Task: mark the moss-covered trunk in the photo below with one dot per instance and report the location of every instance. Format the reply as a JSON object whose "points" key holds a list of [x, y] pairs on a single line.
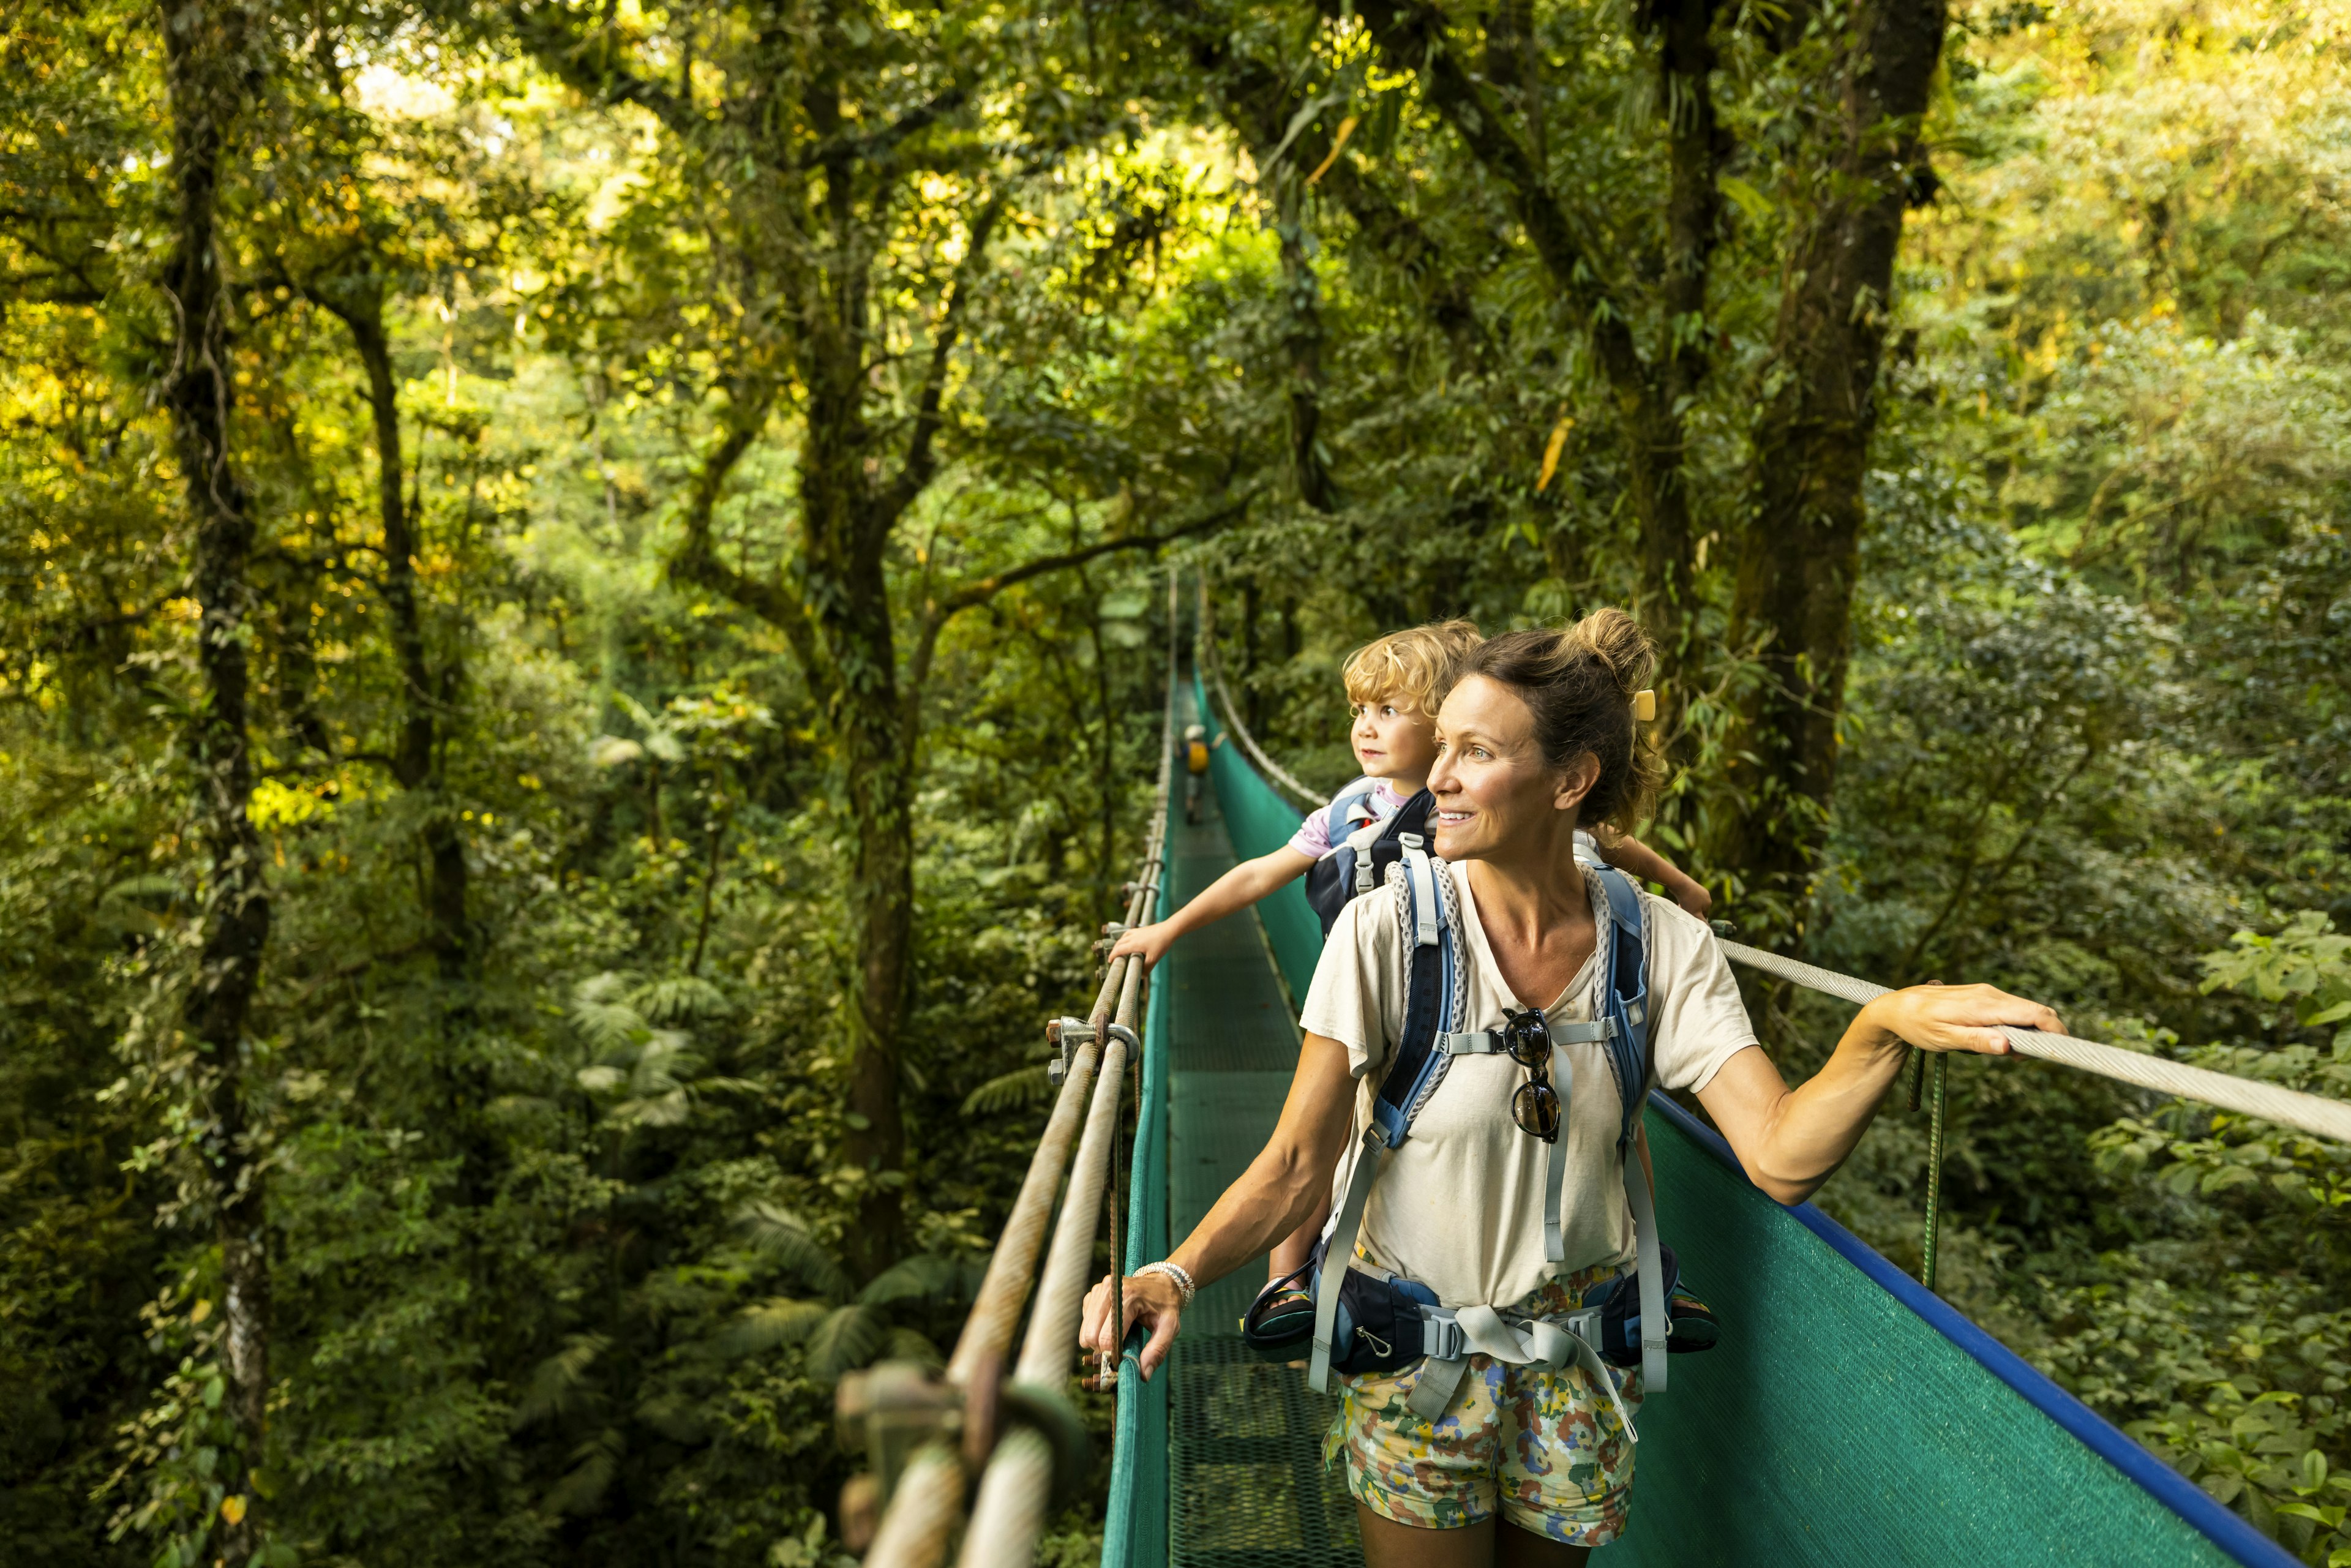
{"points": [[208, 77], [1799, 556]]}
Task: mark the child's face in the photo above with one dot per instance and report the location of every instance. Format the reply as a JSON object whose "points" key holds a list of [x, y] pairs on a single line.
{"points": [[1392, 739]]}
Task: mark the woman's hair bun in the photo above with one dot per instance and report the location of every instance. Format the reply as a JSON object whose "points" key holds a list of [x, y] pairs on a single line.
{"points": [[1616, 642]]}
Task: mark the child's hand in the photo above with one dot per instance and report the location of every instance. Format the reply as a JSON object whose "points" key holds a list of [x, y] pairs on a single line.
{"points": [[1151, 941], [1691, 895]]}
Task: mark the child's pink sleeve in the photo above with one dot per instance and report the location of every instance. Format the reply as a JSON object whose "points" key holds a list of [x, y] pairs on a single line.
{"points": [[1313, 837]]}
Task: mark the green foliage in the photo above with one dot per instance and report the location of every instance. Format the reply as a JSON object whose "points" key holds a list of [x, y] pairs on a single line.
{"points": [[561, 1206]]}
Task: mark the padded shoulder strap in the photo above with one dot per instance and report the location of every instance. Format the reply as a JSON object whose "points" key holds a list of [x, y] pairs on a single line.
{"points": [[1349, 809], [1430, 985], [1628, 1050], [1432, 1006], [1627, 999]]}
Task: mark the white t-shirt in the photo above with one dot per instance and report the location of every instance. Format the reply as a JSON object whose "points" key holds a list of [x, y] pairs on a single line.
{"points": [[1460, 1204]]}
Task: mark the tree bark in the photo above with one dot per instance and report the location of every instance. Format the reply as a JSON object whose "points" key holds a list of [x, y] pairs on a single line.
{"points": [[1301, 338], [1646, 392], [415, 758], [207, 80], [1799, 555], [1695, 146]]}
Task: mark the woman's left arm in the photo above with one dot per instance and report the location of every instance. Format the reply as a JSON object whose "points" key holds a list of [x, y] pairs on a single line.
{"points": [[1793, 1140]]}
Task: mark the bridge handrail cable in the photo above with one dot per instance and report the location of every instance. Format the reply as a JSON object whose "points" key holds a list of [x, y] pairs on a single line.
{"points": [[1266, 766], [1008, 1512]]}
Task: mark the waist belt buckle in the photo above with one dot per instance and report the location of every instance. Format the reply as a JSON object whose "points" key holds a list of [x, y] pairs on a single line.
{"points": [[1441, 1338]]}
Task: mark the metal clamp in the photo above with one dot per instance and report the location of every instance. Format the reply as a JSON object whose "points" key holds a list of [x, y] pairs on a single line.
{"points": [[892, 1410], [888, 1411], [1065, 1035]]}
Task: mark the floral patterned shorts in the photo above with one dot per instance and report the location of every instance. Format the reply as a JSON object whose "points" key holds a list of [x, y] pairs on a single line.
{"points": [[1545, 1447]]}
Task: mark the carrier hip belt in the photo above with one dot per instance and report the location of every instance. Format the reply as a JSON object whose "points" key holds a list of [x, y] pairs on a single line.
{"points": [[1450, 1335]]}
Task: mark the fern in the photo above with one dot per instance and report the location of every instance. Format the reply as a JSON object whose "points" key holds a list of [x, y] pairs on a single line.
{"points": [[926, 1276], [849, 1337], [559, 1384], [594, 1463], [783, 1237], [674, 1416], [676, 998], [600, 1012], [1027, 1087], [906, 1344], [777, 1322]]}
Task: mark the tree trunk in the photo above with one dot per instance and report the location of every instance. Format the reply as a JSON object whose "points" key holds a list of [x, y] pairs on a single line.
{"points": [[206, 79], [1695, 148], [416, 759], [848, 599], [1645, 392], [1799, 554], [1301, 340]]}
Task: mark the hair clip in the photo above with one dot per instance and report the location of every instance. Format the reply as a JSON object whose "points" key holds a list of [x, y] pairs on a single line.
{"points": [[1645, 706]]}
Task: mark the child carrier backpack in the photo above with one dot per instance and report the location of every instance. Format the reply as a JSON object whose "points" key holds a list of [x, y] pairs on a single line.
{"points": [[1352, 868], [1366, 1319]]}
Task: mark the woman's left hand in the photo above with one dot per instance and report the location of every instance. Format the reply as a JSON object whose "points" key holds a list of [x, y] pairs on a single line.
{"points": [[1957, 1018]]}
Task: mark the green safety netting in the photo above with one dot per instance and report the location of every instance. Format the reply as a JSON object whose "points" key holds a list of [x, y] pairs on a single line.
{"points": [[1260, 820], [1849, 1416], [1135, 1526]]}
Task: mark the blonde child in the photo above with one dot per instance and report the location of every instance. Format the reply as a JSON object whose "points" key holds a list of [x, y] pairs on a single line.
{"points": [[1394, 686]]}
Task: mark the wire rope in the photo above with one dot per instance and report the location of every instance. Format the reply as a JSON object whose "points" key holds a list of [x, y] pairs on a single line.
{"points": [[2312, 1114], [1264, 765]]}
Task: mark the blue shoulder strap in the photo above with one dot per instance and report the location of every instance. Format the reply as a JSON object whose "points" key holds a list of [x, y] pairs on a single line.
{"points": [[1628, 1052], [1432, 975], [1348, 809], [1628, 993]]}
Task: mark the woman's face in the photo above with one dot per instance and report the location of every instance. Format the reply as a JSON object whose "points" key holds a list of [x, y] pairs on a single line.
{"points": [[1496, 797]]}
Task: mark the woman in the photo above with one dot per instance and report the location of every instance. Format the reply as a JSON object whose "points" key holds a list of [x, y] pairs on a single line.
{"points": [[1527, 1465]]}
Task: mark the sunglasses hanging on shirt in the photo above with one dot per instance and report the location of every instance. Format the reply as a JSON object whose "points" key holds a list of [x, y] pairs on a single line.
{"points": [[1535, 1106]]}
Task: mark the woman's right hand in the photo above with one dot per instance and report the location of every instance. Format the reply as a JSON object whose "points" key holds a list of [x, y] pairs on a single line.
{"points": [[1151, 941], [1149, 1299]]}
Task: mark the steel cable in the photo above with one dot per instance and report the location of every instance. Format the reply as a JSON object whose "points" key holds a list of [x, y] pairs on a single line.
{"points": [[2310, 1113], [926, 1505], [1264, 765]]}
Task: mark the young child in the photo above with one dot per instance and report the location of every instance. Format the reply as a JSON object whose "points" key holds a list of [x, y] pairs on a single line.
{"points": [[1394, 686]]}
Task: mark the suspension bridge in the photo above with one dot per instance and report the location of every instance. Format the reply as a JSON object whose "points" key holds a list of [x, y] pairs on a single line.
{"points": [[1848, 1417]]}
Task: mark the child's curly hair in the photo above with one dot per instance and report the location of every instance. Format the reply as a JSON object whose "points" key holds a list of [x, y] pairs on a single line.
{"points": [[1416, 666]]}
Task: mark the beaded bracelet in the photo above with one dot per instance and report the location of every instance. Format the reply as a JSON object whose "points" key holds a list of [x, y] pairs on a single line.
{"points": [[1185, 1289]]}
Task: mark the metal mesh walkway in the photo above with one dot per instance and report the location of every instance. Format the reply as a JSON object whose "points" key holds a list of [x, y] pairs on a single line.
{"points": [[1247, 1482]]}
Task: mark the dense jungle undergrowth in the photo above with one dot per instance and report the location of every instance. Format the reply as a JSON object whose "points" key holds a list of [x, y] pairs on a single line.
{"points": [[581, 609]]}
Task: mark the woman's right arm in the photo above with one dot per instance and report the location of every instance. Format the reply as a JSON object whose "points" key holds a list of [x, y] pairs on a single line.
{"points": [[1282, 1186], [1236, 889]]}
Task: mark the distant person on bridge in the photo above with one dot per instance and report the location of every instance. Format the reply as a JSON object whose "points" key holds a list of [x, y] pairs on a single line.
{"points": [[1195, 771], [1526, 1460], [1394, 686]]}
